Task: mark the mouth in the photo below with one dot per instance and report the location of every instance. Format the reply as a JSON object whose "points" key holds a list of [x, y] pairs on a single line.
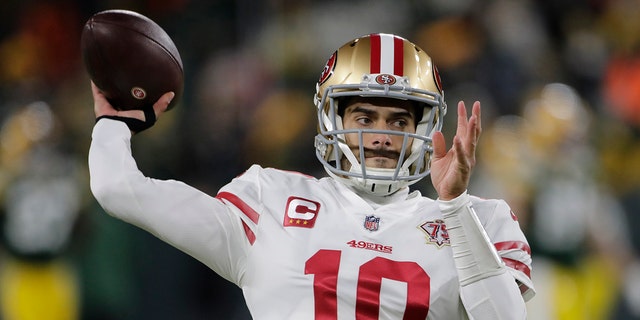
{"points": [[381, 158], [377, 158], [381, 154]]}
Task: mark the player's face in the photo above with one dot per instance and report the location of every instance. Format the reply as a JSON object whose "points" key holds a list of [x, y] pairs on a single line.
{"points": [[381, 150]]}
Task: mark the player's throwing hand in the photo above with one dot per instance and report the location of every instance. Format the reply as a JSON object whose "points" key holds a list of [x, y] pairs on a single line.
{"points": [[136, 120]]}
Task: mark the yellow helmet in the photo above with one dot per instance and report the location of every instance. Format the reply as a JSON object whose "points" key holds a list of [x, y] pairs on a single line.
{"points": [[378, 65]]}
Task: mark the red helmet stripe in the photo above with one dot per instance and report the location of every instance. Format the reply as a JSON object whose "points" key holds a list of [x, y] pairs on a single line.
{"points": [[374, 66], [398, 56]]}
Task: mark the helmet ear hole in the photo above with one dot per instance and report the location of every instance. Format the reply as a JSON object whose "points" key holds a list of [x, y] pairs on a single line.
{"points": [[418, 111], [342, 102]]}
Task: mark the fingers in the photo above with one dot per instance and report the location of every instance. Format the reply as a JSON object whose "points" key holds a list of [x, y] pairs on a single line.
{"points": [[158, 108], [474, 128], [439, 145], [462, 156], [477, 112], [469, 129], [462, 120], [163, 103], [467, 133], [475, 121], [102, 107], [94, 89]]}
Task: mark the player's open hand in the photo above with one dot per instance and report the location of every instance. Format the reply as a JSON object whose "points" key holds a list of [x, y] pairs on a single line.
{"points": [[451, 169]]}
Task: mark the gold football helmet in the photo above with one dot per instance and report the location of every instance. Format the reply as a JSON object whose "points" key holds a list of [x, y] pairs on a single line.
{"points": [[378, 65]]}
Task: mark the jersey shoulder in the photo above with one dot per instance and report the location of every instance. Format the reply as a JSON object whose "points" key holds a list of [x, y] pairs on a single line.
{"points": [[275, 175], [257, 175], [492, 209], [497, 218], [260, 187]]}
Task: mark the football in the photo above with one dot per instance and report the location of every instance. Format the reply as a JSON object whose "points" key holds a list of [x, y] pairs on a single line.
{"points": [[131, 59]]}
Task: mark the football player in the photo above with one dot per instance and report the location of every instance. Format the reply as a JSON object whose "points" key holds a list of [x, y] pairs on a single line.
{"points": [[358, 244]]}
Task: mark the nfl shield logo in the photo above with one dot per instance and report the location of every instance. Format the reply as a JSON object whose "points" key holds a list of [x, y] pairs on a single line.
{"points": [[371, 223]]}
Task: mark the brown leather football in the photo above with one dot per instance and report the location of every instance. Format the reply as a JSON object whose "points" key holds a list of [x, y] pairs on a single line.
{"points": [[131, 59]]}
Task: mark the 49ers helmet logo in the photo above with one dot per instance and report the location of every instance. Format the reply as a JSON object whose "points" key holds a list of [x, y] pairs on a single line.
{"points": [[436, 78], [328, 68], [386, 79]]}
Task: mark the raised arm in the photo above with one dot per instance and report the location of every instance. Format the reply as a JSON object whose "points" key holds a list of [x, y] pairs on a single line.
{"points": [[184, 217], [487, 290]]}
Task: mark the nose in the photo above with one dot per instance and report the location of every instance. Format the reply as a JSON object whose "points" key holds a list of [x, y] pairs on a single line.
{"points": [[380, 139]]}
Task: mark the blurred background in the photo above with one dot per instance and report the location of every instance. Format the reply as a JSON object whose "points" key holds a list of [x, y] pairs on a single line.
{"points": [[559, 81]]}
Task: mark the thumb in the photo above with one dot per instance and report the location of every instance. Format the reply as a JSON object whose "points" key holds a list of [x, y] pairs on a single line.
{"points": [[163, 103], [158, 108]]}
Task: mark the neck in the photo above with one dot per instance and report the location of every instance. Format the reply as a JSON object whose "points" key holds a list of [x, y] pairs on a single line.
{"points": [[378, 200]]}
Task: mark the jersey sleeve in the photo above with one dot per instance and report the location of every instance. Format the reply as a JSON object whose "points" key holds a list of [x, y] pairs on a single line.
{"points": [[247, 197], [186, 218], [242, 195], [503, 228]]}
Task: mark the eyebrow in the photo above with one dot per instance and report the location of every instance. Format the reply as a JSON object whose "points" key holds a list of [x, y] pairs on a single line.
{"points": [[396, 114]]}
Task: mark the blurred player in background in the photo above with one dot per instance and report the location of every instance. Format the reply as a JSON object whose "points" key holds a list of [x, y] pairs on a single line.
{"points": [[41, 202], [359, 243]]}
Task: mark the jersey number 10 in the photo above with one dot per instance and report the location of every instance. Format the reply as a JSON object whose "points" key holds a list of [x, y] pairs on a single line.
{"points": [[324, 265]]}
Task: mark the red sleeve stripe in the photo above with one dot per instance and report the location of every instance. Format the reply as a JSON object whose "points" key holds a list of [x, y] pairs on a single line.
{"points": [[250, 235], [517, 265], [238, 203], [244, 208], [510, 245]]}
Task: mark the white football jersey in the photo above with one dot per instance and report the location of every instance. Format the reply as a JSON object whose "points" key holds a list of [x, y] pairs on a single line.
{"points": [[306, 248], [319, 251]]}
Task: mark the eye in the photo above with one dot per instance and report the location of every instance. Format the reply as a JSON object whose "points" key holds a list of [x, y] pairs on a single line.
{"points": [[399, 123], [364, 121]]}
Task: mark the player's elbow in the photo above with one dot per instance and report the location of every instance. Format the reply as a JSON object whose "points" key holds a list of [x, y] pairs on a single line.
{"points": [[110, 193]]}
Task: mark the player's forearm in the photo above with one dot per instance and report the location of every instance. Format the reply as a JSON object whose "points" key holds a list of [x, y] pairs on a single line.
{"points": [[113, 172], [493, 298], [486, 289]]}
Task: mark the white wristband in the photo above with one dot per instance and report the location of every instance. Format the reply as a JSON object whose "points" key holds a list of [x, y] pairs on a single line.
{"points": [[475, 256]]}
